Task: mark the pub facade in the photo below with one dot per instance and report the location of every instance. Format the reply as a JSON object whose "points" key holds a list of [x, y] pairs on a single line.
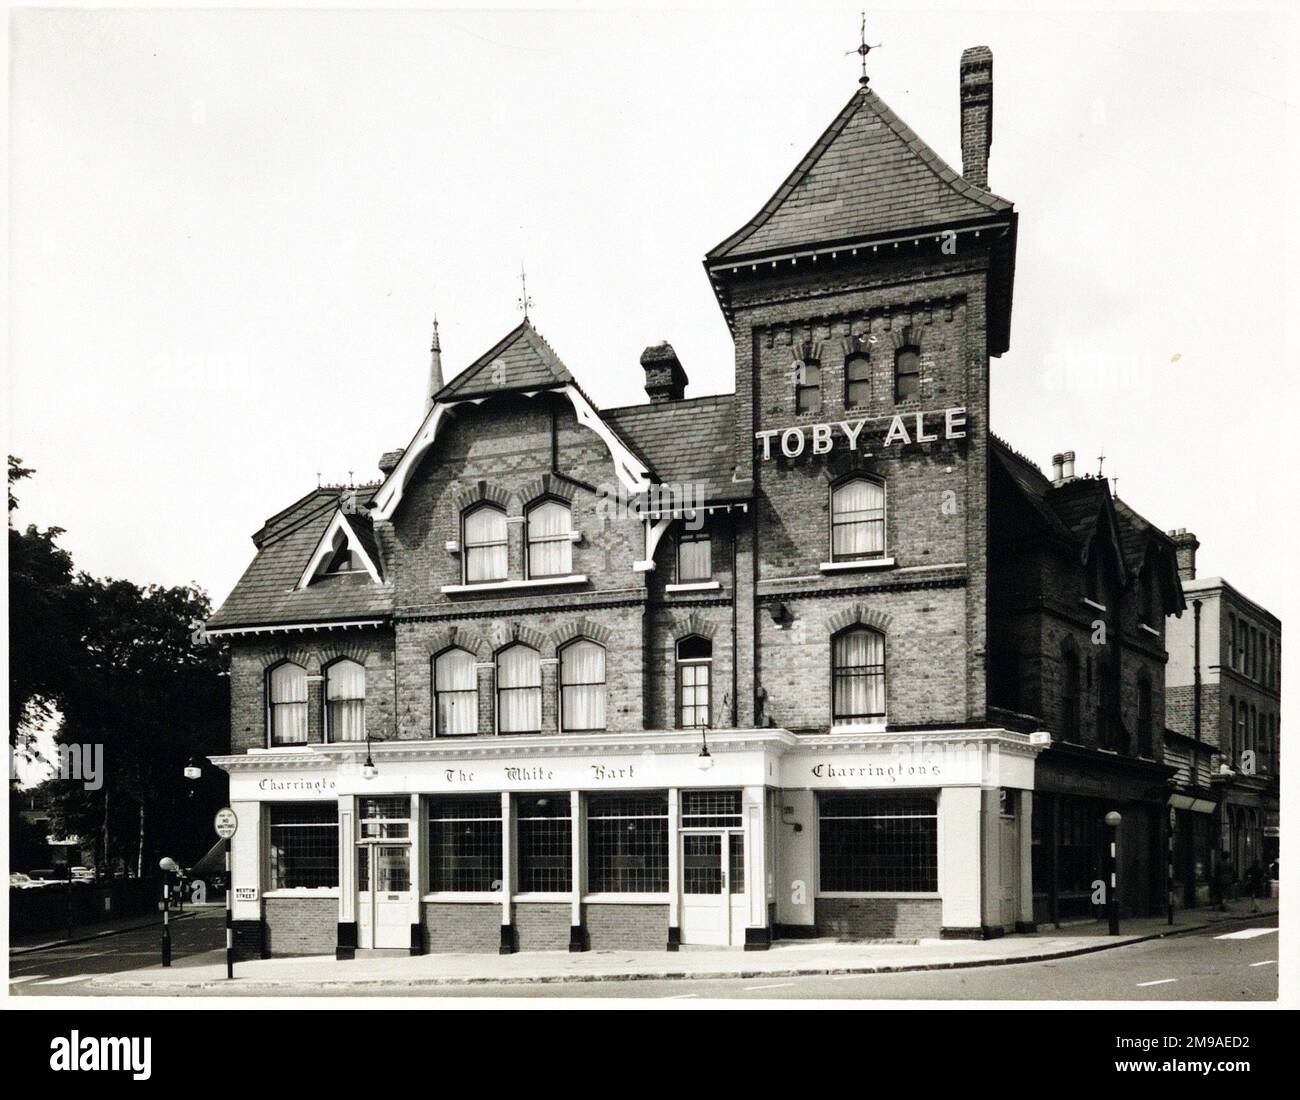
{"points": [[708, 670]]}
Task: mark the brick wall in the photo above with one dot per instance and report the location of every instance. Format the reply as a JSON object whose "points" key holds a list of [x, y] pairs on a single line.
{"points": [[542, 926], [879, 918], [301, 926], [250, 662], [615, 927], [450, 927]]}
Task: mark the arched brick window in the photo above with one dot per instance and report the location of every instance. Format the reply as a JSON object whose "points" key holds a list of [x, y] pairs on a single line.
{"points": [[858, 672], [455, 694], [345, 701], [286, 696], [485, 544]]}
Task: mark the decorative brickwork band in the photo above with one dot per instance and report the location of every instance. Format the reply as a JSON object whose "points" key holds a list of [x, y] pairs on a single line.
{"points": [[483, 490], [858, 613]]}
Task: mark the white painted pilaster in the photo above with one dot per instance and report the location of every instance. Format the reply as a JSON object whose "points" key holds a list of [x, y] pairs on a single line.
{"points": [[246, 860], [796, 857], [347, 859], [754, 802], [674, 868], [507, 855], [578, 853], [1026, 856], [419, 872], [960, 830]]}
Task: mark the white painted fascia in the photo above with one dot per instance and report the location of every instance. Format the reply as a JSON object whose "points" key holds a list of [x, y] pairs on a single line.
{"points": [[326, 544]]}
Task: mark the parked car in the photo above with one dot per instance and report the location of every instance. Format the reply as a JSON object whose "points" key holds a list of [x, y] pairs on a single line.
{"points": [[19, 881], [83, 874]]}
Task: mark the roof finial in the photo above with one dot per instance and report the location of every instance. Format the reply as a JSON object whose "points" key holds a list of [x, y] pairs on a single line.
{"points": [[435, 368], [862, 51], [525, 302], [1101, 461]]}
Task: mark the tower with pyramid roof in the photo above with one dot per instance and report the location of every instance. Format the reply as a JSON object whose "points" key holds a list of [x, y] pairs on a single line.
{"points": [[865, 299]]}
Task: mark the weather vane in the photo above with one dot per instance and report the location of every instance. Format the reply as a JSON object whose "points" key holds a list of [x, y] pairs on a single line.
{"points": [[525, 302], [862, 51], [1101, 461]]}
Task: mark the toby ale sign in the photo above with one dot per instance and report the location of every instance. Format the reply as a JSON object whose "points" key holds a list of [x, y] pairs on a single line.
{"points": [[904, 428]]}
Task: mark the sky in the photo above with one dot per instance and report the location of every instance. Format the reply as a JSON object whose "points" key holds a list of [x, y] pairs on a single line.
{"points": [[229, 232]]}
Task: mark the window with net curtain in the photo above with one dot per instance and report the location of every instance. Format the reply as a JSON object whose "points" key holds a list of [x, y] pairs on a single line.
{"points": [[582, 686], [455, 692], [550, 545], [485, 544], [694, 556], [859, 675], [857, 520], [519, 690], [287, 696], [345, 701]]}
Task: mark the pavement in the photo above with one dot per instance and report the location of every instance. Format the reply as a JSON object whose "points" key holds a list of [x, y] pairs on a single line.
{"points": [[204, 971]]}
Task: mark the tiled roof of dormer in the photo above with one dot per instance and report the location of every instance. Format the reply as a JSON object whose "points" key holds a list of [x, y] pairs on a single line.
{"points": [[521, 361]]}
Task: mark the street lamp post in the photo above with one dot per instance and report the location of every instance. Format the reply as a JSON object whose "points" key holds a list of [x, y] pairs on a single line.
{"points": [[1112, 890]]}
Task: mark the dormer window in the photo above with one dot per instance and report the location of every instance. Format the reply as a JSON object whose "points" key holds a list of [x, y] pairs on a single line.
{"points": [[485, 544], [907, 373], [343, 559], [857, 381], [550, 540]]}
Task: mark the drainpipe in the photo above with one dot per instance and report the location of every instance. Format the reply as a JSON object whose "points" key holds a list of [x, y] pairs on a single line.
{"points": [[1196, 668]]}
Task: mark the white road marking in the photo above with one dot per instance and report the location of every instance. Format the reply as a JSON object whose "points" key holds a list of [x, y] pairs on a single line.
{"points": [[1162, 981], [778, 985], [1266, 962], [25, 978], [1246, 934], [680, 997], [67, 981]]}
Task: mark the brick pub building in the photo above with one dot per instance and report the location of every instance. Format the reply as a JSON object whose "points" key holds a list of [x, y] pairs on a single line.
{"points": [[817, 657]]}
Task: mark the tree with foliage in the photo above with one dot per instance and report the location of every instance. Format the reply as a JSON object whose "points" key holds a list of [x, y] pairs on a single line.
{"points": [[40, 631], [119, 667]]}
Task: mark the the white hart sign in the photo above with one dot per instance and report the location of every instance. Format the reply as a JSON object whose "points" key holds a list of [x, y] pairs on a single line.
{"points": [[905, 428]]}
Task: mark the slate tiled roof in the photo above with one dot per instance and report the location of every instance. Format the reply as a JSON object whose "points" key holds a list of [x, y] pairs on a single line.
{"points": [[867, 175], [685, 441], [1033, 486], [267, 593], [523, 360]]}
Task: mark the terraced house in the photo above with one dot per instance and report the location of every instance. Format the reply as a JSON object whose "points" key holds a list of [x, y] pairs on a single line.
{"points": [[786, 661]]}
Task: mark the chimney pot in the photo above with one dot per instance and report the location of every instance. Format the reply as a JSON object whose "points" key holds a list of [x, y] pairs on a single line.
{"points": [[1067, 466], [665, 378], [1185, 546], [976, 114], [1056, 469]]}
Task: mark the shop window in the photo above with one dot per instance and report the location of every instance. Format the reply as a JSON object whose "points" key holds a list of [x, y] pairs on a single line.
{"points": [[694, 557], [550, 540], [857, 520], [287, 704], [808, 386], [878, 844], [545, 831], [303, 850], [465, 845], [857, 381], [694, 671], [519, 690], [1070, 698], [907, 373], [345, 701], [485, 544], [627, 844], [1144, 731], [582, 687], [455, 692], [859, 674]]}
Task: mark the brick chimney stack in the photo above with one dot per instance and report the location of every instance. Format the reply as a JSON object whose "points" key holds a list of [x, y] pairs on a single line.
{"points": [[1185, 544], [665, 378], [976, 114]]}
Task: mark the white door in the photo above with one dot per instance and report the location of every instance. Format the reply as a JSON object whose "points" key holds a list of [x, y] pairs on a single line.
{"points": [[713, 888], [384, 896]]}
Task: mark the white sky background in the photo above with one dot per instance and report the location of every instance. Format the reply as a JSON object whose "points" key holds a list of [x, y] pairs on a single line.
{"points": [[229, 232]]}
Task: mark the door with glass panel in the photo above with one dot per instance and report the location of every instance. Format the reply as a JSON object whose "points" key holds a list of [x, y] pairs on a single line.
{"points": [[713, 906], [384, 898]]}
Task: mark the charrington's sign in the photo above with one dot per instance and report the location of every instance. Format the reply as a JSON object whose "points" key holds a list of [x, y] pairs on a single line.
{"points": [[904, 428]]}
